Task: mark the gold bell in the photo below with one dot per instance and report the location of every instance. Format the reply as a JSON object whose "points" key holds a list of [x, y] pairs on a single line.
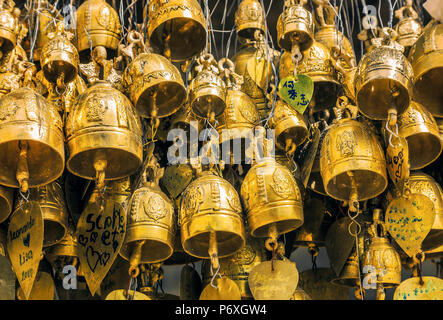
{"points": [[9, 25], [103, 135], [350, 157], [295, 26], [68, 246], [6, 202], [98, 24], [207, 91], [211, 218], [177, 28], [59, 57], [426, 59], [32, 133], [249, 18], [311, 234], [150, 228], [289, 125], [272, 199], [383, 80], [315, 181], [155, 85], [350, 274], [408, 26]]}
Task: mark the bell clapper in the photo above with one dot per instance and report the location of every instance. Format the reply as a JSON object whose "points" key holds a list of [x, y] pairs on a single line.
{"points": [[22, 174], [100, 164], [296, 56], [213, 255], [135, 258], [271, 243]]}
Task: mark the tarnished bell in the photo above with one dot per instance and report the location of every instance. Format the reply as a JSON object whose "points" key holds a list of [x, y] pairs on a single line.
{"points": [[238, 266], [68, 246], [383, 80], [150, 227], [295, 27], [103, 134], [272, 199], [98, 24], [9, 25], [426, 57], [177, 28], [59, 57], [424, 184], [211, 206], [352, 162], [6, 202], [155, 85], [249, 18], [31, 131]]}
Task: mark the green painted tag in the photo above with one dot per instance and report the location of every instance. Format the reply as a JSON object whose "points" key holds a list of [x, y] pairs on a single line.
{"points": [[297, 93]]}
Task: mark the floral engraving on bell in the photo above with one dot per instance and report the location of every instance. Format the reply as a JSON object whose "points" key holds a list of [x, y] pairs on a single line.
{"points": [[155, 208], [192, 201], [346, 143], [281, 184]]}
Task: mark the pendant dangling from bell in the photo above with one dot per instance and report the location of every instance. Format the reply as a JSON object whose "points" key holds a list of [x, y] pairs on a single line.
{"points": [[104, 135], [408, 27], [32, 140], [249, 18], [207, 91], [9, 25], [177, 28], [383, 80], [59, 57], [426, 57]]}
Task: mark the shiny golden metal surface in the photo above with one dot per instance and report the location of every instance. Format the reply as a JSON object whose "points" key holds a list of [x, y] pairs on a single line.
{"points": [[408, 27], [249, 18], [411, 289], [311, 234], [9, 25], [43, 288], [295, 27], [222, 289]]}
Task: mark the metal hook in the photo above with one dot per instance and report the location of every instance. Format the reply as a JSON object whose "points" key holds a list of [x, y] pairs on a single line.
{"points": [[217, 272]]}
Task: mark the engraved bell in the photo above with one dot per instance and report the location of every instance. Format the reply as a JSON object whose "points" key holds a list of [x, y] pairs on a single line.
{"points": [[249, 19], [9, 25], [408, 27]]}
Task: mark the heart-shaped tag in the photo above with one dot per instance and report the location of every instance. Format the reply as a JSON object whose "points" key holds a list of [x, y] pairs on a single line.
{"points": [[297, 92]]}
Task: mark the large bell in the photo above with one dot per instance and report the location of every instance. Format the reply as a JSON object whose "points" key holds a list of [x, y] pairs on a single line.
{"points": [[351, 156], [211, 216], [249, 18], [272, 199], [31, 140], [9, 25], [177, 28], [98, 24], [383, 81], [103, 135], [155, 85]]}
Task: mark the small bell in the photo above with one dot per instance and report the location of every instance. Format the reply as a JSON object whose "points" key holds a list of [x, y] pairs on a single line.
{"points": [[350, 274], [408, 26], [9, 25], [249, 18]]}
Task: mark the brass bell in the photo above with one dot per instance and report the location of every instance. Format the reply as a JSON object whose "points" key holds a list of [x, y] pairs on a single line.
{"points": [[317, 284], [32, 133], [68, 246], [312, 234], [210, 218], [98, 24], [350, 274], [59, 57], [424, 184], [119, 190], [6, 202], [351, 155], [295, 26], [207, 91], [420, 129], [9, 25], [184, 119], [177, 28], [249, 19], [289, 125], [426, 59], [272, 199], [408, 26], [383, 80], [155, 85], [103, 135], [150, 227]]}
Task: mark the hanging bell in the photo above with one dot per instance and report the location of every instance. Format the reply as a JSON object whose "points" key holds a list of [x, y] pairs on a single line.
{"points": [[32, 133], [9, 25], [207, 91], [249, 19], [383, 80], [408, 27], [312, 234], [210, 218], [67, 247], [315, 181], [103, 135], [59, 57], [177, 28], [350, 274], [155, 85], [426, 59], [350, 157], [98, 24], [272, 199], [295, 26], [185, 119]]}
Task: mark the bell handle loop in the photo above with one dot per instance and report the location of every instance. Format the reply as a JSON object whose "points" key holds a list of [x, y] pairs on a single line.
{"points": [[22, 174]]}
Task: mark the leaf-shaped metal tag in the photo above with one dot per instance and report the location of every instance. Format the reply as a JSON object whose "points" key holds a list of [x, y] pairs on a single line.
{"points": [[409, 220], [176, 178], [123, 294], [397, 158], [7, 280], [226, 289], [297, 93], [410, 289], [278, 283], [43, 288], [259, 69], [100, 236], [25, 242], [190, 284]]}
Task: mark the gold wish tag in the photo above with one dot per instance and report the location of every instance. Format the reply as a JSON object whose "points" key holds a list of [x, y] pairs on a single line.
{"points": [[43, 288], [278, 283], [410, 289], [100, 236], [25, 242], [409, 220], [397, 158], [225, 289], [123, 294], [259, 69], [7, 280]]}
